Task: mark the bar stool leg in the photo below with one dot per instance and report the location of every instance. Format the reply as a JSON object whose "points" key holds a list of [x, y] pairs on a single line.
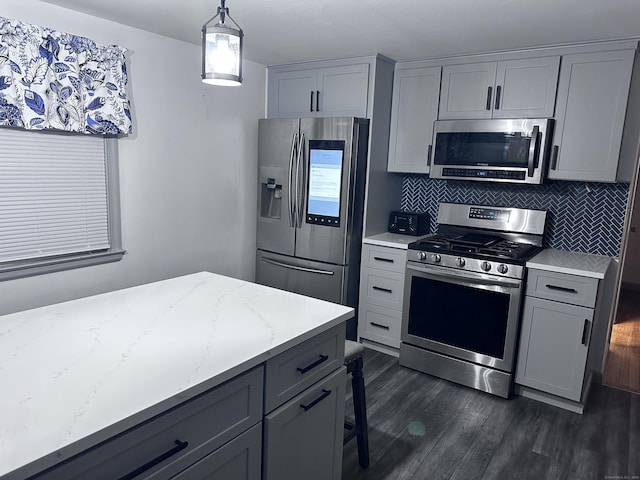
{"points": [[360, 413]]}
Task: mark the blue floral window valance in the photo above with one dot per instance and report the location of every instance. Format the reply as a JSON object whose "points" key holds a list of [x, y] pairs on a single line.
{"points": [[55, 80]]}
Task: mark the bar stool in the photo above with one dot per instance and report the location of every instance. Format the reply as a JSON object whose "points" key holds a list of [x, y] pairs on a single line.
{"points": [[353, 353]]}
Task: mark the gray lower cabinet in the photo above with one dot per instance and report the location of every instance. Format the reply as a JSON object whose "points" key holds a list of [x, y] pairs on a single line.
{"points": [[240, 459], [303, 437], [557, 324], [554, 346]]}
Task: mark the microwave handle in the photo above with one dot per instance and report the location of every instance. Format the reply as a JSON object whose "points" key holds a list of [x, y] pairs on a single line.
{"points": [[534, 151]]}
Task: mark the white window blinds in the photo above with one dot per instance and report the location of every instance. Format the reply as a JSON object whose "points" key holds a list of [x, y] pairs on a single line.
{"points": [[53, 194]]}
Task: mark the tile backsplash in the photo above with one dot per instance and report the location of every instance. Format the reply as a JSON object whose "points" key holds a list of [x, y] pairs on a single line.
{"points": [[583, 217]]}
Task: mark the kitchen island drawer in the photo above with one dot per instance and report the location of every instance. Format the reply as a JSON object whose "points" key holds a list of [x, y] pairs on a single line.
{"points": [[168, 443], [382, 288], [384, 258], [380, 324], [298, 368], [562, 287]]}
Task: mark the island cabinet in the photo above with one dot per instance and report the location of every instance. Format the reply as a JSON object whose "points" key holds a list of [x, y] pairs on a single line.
{"points": [[196, 431], [562, 314], [336, 88], [195, 377], [592, 103], [519, 88], [416, 94]]}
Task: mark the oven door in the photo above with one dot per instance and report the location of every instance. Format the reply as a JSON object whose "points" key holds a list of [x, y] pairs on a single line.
{"points": [[465, 315]]}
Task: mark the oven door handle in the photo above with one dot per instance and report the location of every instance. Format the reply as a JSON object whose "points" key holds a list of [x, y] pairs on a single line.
{"points": [[463, 278]]}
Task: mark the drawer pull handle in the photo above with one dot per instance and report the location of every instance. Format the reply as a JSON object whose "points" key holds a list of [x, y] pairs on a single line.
{"points": [[585, 331], [323, 358], [382, 259], [561, 289], [325, 394], [379, 325], [382, 289], [159, 459]]}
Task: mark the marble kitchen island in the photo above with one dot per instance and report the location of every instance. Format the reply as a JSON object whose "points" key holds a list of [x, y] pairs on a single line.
{"points": [[88, 372]]}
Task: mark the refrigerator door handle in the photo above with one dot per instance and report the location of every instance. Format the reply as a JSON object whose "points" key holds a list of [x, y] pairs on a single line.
{"points": [[301, 187], [292, 156], [296, 267]]}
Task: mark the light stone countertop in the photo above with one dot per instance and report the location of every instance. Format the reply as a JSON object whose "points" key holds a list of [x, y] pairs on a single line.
{"points": [[76, 373], [394, 240], [573, 263]]}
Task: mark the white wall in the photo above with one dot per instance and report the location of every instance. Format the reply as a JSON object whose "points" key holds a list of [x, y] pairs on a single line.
{"points": [[187, 174]]}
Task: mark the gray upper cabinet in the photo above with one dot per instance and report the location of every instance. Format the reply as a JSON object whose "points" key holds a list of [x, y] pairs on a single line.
{"points": [[521, 88], [307, 91], [414, 109], [592, 102]]}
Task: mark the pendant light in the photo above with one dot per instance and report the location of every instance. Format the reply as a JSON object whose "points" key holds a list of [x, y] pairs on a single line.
{"points": [[222, 50]]}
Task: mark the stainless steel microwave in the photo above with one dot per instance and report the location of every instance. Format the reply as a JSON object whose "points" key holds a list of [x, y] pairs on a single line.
{"points": [[504, 150]]}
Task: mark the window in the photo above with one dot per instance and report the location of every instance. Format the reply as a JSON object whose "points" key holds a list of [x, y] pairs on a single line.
{"points": [[59, 205]]}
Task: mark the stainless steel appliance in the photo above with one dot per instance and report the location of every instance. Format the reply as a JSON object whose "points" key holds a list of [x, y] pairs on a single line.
{"points": [[463, 291], [500, 150], [311, 178]]}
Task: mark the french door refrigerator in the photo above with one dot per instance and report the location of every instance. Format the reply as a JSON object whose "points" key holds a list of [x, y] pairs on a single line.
{"points": [[311, 179]]}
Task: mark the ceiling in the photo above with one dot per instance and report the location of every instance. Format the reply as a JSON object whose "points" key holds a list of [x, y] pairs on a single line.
{"points": [[287, 31]]}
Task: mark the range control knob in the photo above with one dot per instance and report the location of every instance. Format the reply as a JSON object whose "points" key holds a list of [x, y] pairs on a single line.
{"points": [[422, 255], [502, 268], [435, 257], [486, 266], [460, 262]]}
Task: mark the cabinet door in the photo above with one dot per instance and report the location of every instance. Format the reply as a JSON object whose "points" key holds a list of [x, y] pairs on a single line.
{"points": [[553, 347], [303, 438], [240, 459], [591, 107], [342, 91], [416, 94], [290, 94], [467, 91], [526, 88]]}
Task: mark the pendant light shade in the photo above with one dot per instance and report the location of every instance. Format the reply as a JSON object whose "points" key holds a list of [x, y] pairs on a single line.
{"points": [[222, 50]]}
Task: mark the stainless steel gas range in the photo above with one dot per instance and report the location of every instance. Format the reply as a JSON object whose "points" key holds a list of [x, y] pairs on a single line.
{"points": [[463, 292]]}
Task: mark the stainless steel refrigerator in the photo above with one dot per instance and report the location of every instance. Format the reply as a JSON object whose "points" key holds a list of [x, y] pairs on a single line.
{"points": [[311, 179]]}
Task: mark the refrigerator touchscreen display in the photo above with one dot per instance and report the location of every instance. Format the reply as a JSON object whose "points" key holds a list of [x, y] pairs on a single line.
{"points": [[325, 182]]}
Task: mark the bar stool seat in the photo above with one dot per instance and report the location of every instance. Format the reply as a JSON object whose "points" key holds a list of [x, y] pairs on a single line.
{"points": [[353, 360]]}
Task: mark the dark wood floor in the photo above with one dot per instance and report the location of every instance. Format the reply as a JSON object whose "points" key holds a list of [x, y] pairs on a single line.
{"points": [[421, 427], [622, 369]]}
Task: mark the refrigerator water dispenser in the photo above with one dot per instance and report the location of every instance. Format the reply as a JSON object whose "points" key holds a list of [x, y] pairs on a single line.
{"points": [[271, 197]]}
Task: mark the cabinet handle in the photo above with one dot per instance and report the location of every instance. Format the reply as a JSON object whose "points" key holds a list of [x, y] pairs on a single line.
{"points": [[489, 89], [303, 370], [381, 289], [382, 259], [429, 156], [585, 331], [325, 394], [498, 90], [379, 325], [311, 102], [317, 100], [159, 459], [562, 289], [554, 157]]}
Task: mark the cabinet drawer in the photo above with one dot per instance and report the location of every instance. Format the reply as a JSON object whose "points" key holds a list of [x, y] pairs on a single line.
{"points": [[380, 324], [385, 258], [182, 435], [562, 287], [240, 459], [381, 287], [298, 368], [303, 438]]}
